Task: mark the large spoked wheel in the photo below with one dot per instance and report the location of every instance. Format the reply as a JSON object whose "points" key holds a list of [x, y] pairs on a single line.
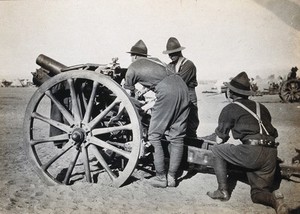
{"points": [[80, 125], [290, 91]]}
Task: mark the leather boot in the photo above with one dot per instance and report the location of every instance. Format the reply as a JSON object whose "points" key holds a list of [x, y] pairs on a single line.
{"points": [[220, 168], [171, 181], [219, 194], [176, 152], [274, 199], [159, 181], [280, 205]]}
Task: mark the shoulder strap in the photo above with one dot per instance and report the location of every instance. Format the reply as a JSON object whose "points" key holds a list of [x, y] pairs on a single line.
{"points": [[180, 62], [257, 116]]}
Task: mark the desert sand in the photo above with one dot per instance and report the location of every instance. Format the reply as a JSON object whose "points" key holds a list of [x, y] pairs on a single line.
{"points": [[22, 191]]}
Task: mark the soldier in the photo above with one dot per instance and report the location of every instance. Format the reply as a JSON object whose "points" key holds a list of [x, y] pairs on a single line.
{"points": [[187, 70], [169, 114], [293, 73], [249, 122]]}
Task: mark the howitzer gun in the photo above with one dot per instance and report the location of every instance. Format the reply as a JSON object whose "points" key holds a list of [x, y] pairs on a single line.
{"points": [[50, 67], [69, 123], [70, 133]]}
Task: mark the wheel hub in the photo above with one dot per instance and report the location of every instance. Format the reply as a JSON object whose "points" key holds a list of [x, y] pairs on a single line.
{"points": [[78, 135]]}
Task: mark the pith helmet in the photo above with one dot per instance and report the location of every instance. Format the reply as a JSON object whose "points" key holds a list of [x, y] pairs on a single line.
{"points": [[139, 48], [173, 46], [240, 84]]}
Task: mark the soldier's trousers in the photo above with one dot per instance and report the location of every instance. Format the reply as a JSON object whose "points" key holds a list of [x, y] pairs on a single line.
{"points": [[169, 117]]}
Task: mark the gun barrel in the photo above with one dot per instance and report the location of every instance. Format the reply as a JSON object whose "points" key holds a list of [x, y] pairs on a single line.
{"points": [[49, 64]]}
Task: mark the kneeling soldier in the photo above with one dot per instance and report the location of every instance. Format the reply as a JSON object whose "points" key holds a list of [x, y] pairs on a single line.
{"points": [[249, 122]]}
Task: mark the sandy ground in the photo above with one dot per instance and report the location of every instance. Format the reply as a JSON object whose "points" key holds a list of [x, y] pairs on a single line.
{"points": [[22, 191]]}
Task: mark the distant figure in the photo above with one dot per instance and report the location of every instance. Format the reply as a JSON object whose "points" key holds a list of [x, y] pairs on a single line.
{"points": [[296, 159], [293, 73], [253, 85], [280, 81], [114, 64]]}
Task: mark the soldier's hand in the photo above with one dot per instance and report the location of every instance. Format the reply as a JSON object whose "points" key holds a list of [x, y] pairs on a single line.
{"points": [[219, 140]]}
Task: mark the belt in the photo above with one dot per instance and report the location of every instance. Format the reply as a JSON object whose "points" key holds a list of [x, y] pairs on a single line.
{"points": [[266, 143]]}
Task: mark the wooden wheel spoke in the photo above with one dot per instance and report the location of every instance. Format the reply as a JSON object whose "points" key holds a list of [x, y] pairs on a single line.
{"points": [[66, 148], [99, 131], [85, 158], [103, 113], [70, 168], [84, 103], [75, 106], [50, 139], [54, 123], [106, 145], [81, 99], [81, 105], [61, 108], [285, 94], [89, 107], [102, 162]]}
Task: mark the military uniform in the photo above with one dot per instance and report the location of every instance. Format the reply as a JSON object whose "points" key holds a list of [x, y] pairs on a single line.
{"points": [[187, 71], [169, 114], [250, 123], [260, 160]]}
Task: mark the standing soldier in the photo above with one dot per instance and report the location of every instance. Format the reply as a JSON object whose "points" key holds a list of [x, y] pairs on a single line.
{"points": [[169, 114], [187, 70]]}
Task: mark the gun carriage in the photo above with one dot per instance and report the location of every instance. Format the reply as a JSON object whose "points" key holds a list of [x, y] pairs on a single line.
{"points": [[80, 124], [289, 91]]}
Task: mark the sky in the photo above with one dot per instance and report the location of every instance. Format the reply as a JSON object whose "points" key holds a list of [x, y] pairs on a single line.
{"points": [[222, 38]]}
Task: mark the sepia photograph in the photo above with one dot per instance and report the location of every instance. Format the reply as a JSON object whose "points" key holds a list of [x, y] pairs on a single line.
{"points": [[161, 106]]}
